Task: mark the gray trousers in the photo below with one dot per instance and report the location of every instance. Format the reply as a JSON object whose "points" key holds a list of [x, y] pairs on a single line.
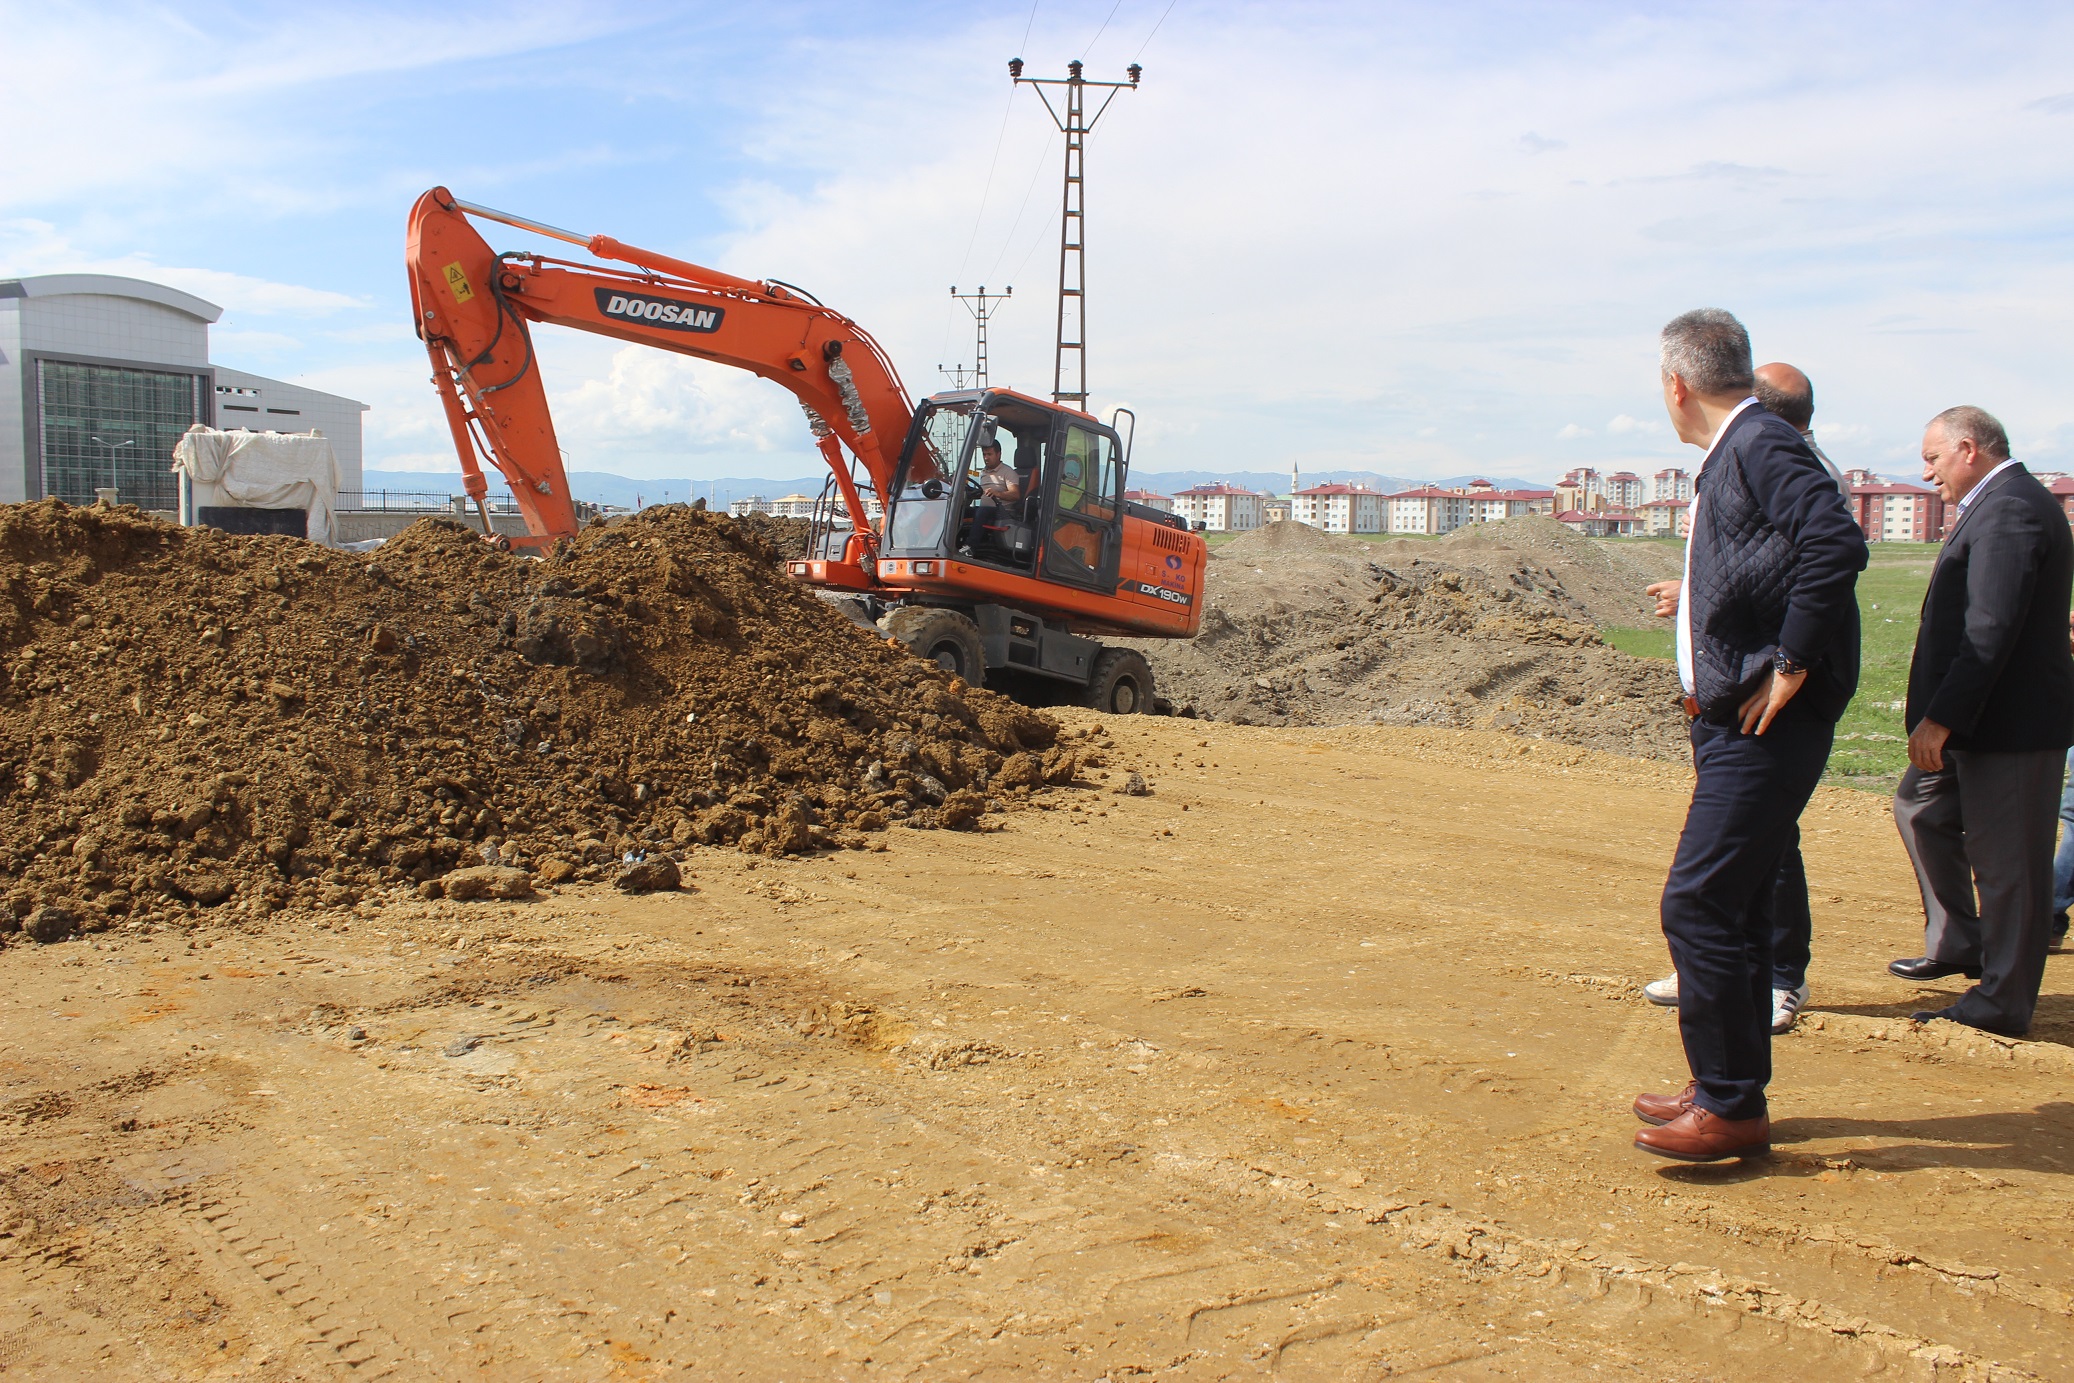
{"points": [[1987, 820]]}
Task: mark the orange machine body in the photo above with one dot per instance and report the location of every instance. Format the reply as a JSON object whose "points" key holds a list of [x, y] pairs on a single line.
{"points": [[474, 309]]}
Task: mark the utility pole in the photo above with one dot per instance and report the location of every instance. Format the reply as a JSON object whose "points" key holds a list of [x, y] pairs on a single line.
{"points": [[957, 374], [981, 305], [1075, 125]]}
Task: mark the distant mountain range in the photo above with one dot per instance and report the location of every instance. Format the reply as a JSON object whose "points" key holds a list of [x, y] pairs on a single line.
{"points": [[603, 487]]}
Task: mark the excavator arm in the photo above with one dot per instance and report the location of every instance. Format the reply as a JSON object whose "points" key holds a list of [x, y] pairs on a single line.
{"points": [[475, 308]]}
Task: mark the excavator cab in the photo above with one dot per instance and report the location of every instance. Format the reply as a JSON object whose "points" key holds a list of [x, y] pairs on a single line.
{"points": [[998, 480]]}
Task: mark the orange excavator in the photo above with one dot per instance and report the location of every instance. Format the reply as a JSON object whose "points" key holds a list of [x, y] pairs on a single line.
{"points": [[1006, 546]]}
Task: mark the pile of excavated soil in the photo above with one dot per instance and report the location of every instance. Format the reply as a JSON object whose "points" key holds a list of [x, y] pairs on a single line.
{"points": [[1607, 577], [189, 718], [1302, 627], [786, 537]]}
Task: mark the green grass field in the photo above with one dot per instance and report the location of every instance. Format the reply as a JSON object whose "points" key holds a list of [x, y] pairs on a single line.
{"points": [[1871, 745]]}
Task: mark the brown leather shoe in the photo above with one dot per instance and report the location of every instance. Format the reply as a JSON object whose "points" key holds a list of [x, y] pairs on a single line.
{"points": [[1698, 1136], [1661, 1109]]}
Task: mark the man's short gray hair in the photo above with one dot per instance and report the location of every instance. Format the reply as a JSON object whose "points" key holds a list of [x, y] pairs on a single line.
{"points": [[1709, 350], [1978, 426]]}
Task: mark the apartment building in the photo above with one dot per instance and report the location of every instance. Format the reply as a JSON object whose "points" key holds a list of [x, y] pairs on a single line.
{"points": [[1163, 503], [1890, 512], [1580, 491], [1341, 509], [1672, 484], [1428, 509], [1666, 518], [1220, 508]]}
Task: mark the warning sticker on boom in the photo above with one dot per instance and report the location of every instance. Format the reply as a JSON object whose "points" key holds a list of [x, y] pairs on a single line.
{"points": [[457, 282]]}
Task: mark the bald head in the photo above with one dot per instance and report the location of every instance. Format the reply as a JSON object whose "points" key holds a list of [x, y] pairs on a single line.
{"points": [[1786, 392]]}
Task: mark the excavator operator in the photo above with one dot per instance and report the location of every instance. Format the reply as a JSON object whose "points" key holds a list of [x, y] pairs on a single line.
{"points": [[996, 481], [1002, 506]]}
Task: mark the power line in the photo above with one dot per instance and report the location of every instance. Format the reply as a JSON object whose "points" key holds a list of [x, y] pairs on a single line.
{"points": [[1089, 50], [1155, 29], [1008, 241]]}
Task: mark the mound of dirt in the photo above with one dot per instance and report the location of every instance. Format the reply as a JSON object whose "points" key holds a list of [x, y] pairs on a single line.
{"points": [[189, 718], [1302, 627], [786, 537], [1606, 577]]}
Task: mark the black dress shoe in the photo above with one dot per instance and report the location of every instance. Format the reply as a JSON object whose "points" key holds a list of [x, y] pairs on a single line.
{"points": [[1924, 968], [1931, 1015]]}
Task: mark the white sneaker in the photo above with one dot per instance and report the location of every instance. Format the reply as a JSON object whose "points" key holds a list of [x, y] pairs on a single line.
{"points": [[1786, 1007], [1663, 991]]}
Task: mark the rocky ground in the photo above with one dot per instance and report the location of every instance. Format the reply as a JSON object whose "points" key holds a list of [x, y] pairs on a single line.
{"points": [[1313, 1062]]}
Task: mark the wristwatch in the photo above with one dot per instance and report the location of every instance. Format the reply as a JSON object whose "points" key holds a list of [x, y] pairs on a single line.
{"points": [[1784, 665]]}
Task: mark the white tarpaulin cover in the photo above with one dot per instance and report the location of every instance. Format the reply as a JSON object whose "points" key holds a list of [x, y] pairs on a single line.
{"points": [[261, 470]]}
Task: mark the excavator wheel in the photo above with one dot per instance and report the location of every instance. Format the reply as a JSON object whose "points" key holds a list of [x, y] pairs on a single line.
{"points": [[945, 637], [1121, 683]]}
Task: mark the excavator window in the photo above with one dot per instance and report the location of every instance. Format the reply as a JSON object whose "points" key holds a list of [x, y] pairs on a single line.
{"points": [[927, 489], [1085, 513]]}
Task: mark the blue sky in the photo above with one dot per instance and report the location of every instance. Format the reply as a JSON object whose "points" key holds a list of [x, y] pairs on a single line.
{"points": [[1419, 239]]}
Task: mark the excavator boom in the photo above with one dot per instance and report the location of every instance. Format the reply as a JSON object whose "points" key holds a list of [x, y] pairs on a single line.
{"points": [[475, 307]]}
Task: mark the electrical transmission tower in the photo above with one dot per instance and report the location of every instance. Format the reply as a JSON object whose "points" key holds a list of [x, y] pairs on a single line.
{"points": [[982, 305], [1069, 369]]}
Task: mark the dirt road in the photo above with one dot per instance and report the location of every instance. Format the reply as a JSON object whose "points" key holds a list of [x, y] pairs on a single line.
{"points": [[1314, 1063]]}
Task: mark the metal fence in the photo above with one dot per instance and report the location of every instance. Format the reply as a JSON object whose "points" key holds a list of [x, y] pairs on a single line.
{"points": [[417, 502]]}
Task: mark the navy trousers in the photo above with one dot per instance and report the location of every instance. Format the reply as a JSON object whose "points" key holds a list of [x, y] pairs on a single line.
{"points": [[1718, 901], [1793, 926]]}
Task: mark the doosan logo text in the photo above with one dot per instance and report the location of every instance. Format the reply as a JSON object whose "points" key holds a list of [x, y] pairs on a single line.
{"points": [[663, 312]]}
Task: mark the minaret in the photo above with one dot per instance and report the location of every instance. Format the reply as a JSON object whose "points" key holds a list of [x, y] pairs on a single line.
{"points": [[1294, 483]]}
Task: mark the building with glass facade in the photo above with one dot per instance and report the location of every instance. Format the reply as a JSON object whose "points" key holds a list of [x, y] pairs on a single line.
{"points": [[99, 376]]}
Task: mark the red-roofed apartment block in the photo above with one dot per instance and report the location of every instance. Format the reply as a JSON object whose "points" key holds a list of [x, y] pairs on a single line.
{"points": [[1666, 518], [1895, 513], [1220, 508], [1341, 509]]}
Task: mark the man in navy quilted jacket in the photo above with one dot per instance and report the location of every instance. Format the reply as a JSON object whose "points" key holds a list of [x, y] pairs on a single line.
{"points": [[1768, 656]]}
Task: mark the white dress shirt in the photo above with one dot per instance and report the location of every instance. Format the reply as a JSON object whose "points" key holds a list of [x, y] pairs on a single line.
{"points": [[1982, 484], [1692, 527]]}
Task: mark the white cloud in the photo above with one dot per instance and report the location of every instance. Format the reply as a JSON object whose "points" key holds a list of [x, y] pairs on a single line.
{"points": [[1571, 432], [1625, 426], [29, 246]]}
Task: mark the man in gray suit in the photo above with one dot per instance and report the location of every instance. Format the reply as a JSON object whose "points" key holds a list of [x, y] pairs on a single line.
{"points": [[1990, 718]]}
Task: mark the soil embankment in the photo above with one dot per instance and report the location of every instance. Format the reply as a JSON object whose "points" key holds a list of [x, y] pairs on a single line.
{"points": [[1492, 628], [191, 719]]}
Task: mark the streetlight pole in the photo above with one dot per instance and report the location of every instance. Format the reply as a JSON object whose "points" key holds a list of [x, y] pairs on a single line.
{"points": [[113, 447]]}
